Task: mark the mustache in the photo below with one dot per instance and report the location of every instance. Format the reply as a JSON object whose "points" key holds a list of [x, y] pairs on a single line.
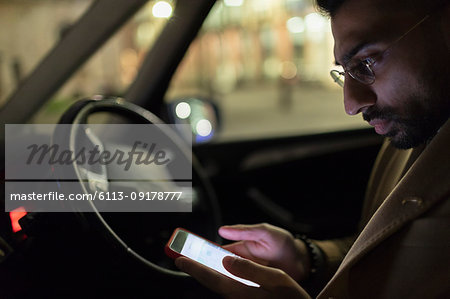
{"points": [[379, 113]]}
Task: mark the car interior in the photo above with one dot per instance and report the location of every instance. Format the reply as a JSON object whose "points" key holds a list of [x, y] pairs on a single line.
{"points": [[279, 148]]}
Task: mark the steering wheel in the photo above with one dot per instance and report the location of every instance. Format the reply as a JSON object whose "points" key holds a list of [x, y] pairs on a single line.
{"points": [[146, 243]]}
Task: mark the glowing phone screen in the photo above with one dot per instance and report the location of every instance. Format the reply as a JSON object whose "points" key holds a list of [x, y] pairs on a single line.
{"points": [[210, 255]]}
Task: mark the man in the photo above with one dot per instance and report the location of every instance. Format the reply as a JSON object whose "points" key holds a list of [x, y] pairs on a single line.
{"points": [[395, 56]]}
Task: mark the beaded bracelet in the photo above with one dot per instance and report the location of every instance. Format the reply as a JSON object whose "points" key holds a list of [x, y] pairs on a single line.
{"points": [[316, 255]]}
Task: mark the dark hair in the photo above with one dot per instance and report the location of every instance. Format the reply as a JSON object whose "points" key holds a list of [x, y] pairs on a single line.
{"points": [[329, 7]]}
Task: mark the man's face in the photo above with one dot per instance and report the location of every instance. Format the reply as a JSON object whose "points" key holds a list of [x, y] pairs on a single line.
{"points": [[409, 99]]}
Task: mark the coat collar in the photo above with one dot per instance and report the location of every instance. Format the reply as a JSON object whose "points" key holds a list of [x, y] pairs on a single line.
{"points": [[425, 183]]}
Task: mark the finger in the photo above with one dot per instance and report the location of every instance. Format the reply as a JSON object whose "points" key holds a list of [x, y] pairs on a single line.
{"points": [[203, 274], [239, 248], [242, 249], [208, 277], [265, 276], [239, 232]]}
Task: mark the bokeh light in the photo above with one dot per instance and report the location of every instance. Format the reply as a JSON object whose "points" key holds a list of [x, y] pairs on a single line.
{"points": [[162, 9]]}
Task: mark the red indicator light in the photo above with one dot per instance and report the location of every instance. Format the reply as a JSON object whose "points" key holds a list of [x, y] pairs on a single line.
{"points": [[15, 215]]}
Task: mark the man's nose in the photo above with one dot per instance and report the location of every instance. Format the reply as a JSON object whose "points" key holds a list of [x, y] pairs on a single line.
{"points": [[357, 96]]}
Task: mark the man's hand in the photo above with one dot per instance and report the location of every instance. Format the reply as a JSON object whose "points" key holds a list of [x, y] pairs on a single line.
{"points": [[274, 283], [269, 245]]}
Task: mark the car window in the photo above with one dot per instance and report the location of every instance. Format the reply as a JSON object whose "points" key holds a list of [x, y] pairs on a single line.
{"points": [[266, 65], [114, 66]]}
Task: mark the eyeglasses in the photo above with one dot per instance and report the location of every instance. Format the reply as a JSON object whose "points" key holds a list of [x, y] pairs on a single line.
{"points": [[361, 70]]}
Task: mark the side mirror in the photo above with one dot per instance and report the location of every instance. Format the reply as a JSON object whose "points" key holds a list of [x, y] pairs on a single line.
{"points": [[201, 114]]}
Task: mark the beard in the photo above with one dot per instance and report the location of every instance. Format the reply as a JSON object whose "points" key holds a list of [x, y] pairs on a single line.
{"points": [[423, 105], [406, 133], [424, 113]]}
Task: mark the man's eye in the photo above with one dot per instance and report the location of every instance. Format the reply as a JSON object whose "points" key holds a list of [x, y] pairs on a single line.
{"points": [[368, 61], [362, 69]]}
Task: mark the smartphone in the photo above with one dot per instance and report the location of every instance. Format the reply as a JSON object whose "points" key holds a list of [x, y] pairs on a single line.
{"points": [[185, 243]]}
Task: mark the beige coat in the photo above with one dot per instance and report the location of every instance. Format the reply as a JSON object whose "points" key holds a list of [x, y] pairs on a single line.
{"points": [[404, 249]]}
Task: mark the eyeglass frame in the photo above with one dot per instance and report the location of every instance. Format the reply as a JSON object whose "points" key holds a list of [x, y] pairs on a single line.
{"points": [[367, 62]]}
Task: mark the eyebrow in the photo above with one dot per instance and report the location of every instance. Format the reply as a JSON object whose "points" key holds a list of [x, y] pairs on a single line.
{"points": [[350, 54]]}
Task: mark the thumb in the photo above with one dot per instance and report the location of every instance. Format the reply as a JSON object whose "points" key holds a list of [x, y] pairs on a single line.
{"points": [[265, 276], [272, 280]]}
